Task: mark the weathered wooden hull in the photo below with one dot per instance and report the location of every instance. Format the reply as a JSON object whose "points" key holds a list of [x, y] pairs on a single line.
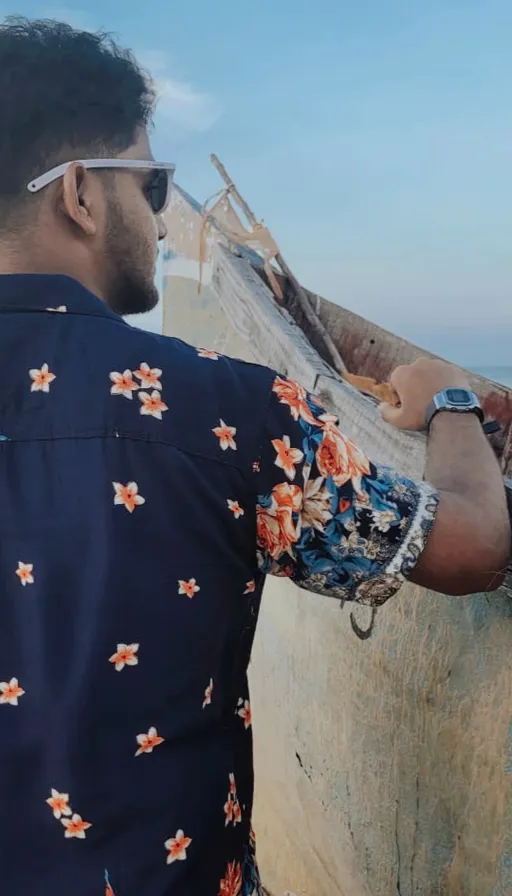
{"points": [[383, 766]]}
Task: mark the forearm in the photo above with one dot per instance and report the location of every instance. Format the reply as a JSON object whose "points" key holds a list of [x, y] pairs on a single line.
{"points": [[471, 536], [460, 460]]}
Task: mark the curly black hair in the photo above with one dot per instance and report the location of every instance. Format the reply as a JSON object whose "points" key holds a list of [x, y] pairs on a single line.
{"points": [[61, 91]]}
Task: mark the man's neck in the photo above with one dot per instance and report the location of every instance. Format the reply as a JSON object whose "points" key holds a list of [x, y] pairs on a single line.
{"points": [[14, 262]]}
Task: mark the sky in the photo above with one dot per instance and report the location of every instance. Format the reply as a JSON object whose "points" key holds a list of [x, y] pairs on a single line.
{"points": [[374, 137]]}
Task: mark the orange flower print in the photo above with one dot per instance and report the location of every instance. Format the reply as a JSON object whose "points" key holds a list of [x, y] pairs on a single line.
{"points": [[316, 510], [228, 810], [287, 456], [231, 883], [152, 405], [189, 588], [276, 529], [41, 379], [108, 886], [226, 435], [10, 691], [208, 694], [205, 353], [251, 587], [124, 384], [244, 711], [235, 508], [295, 396], [339, 458], [270, 536], [59, 804], [177, 847], [125, 655], [232, 808], [75, 827], [61, 308], [148, 742], [128, 495], [25, 573], [287, 497], [149, 376]]}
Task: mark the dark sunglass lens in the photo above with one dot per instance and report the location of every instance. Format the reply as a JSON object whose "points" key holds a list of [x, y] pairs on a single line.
{"points": [[158, 191]]}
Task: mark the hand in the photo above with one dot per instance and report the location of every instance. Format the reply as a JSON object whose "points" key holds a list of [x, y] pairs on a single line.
{"points": [[415, 386]]}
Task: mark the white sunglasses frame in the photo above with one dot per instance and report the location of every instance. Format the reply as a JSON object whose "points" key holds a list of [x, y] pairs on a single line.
{"points": [[54, 173]]}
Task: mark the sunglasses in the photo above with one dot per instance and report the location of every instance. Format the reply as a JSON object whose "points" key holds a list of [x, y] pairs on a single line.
{"points": [[157, 190]]}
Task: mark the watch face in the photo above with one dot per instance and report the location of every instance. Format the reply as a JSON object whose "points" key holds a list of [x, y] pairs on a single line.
{"points": [[458, 396]]}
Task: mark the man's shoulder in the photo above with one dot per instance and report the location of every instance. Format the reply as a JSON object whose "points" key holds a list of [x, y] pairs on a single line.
{"points": [[213, 401], [209, 365]]}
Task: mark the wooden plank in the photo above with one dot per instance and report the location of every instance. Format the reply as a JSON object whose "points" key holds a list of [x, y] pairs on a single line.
{"points": [[370, 350]]}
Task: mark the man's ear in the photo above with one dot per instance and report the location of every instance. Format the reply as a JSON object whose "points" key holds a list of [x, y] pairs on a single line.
{"points": [[77, 198]]}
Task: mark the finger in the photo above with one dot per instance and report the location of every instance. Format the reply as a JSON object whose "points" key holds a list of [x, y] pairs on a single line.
{"points": [[396, 416], [391, 414], [397, 375]]}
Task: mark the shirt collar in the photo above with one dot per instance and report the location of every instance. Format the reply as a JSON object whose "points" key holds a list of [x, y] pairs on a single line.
{"points": [[50, 292]]}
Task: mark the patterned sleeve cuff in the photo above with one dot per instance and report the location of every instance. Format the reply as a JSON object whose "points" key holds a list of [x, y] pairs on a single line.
{"points": [[375, 592]]}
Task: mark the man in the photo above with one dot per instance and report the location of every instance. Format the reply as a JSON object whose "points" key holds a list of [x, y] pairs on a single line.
{"points": [[146, 488]]}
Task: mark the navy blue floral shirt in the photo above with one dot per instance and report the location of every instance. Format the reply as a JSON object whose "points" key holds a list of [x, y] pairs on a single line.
{"points": [[146, 488]]}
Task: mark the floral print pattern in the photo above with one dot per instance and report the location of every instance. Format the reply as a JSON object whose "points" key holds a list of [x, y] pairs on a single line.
{"points": [[226, 435], [208, 694], [296, 399], [59, 804], [149, 376], [41, 379], [148, 742], [152, 405], [75, 826], [177, 847], [149, 616], [10, 692], [128, 496], [189, 588], [244, 711], [287, 457], [25, 573], [235, 509], [231, 883], [123, 384], [232, 808], [125, 655], [333, 522]]}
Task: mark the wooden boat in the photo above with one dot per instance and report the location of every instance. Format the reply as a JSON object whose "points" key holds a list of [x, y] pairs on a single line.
{"points": [[383, 742]]}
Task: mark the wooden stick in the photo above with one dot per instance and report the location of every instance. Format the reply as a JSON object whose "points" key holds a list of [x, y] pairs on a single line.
{"points": [[302, 298]]}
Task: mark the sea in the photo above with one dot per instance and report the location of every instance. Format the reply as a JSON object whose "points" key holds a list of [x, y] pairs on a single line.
{"points": [[501, 375]]}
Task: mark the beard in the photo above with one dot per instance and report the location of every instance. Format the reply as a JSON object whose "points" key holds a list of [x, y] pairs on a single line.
{"points": [[131, 288]]}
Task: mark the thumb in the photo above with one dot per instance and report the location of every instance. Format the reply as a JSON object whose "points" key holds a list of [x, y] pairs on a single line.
{"points": [[390, 413]]}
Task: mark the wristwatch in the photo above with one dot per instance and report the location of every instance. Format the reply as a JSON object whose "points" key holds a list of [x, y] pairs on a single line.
{"points": [[458, 401]]}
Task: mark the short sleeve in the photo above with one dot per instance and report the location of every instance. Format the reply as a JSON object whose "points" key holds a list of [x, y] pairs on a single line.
{"points": [[327, 517]]}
